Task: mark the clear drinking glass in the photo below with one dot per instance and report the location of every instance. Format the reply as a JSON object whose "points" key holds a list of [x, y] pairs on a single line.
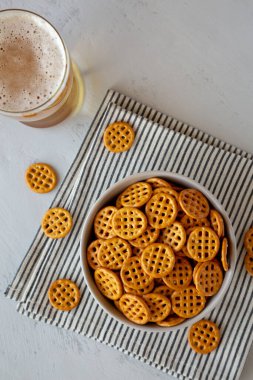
{"points": [[39, 84]]}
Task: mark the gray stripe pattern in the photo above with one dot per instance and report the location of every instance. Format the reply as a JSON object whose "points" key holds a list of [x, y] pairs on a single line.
{"points": [[161, 143]]}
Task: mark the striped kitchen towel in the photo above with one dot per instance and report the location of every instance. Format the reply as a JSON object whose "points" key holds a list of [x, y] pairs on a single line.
{"points": [[161, 143]]}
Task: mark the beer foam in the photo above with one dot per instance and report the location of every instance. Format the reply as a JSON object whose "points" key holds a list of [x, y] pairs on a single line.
{"points": [[32, 61]]}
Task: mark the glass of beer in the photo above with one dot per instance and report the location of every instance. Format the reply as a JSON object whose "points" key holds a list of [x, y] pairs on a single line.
{"points": [[39, 84]]}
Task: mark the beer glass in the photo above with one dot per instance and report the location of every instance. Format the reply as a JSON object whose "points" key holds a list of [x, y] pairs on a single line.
{"points": [[39, 84]]}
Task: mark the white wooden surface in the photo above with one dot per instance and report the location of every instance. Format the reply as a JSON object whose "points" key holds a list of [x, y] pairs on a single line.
{"points": [[190, 58]]}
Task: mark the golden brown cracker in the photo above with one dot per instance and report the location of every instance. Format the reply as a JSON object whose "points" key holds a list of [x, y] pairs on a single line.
{"points": [[40, 177], [118, 137], [64, 294], [56, 223], [204, 336]]}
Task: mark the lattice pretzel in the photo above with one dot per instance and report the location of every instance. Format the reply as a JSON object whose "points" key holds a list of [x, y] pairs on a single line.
{"points": [[161, 210], [150, 235], [103, 223], [195, 271], [134, 308], [133, 275], [191, 223], [204, 336], [108, 283], [159, 306], [157, 260], [171, 320], [118, 137], [180, 276], [158, 182], [40, 178], [136, 195], [203, 244], [217, 223], [113, 252], [194, 203], [248, 241], [56, 223], [174, 236], [64, 294], [224, 254], [167, 190], [187, 302], [92, 253], [208, 278], [129, 223], [248, 262]]}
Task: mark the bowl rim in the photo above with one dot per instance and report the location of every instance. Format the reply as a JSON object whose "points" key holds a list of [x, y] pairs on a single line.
{"points": [[118, 187]]}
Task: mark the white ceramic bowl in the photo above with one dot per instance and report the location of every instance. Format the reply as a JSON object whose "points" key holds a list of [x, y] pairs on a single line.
{"points": [[105, 199]]}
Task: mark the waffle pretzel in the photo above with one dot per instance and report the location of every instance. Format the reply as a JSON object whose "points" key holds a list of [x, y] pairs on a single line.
{"points": [[180, 276], [108, 283], [136, 195], [64, 294], [159, 306], [56, 223], [174, 236], [92, 253], [224, 254], [134, 308], [248, 262], [188, 302], [195, 271], [103, 223], [113, 252], [203, 244], [248, 241], [190, 223], [204, 336], [164, 290], [208, 278], [217, 223], [171, 320], [133, 275], [158, 182], [40, 178], [129, 223], [167, 190], [118, 137], [157, 260], [150, 235], [194, 203], [161, 210], [142, 291]]}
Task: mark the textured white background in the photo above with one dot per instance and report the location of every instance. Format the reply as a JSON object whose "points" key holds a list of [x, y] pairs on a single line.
{"points": [[190, 58]]}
